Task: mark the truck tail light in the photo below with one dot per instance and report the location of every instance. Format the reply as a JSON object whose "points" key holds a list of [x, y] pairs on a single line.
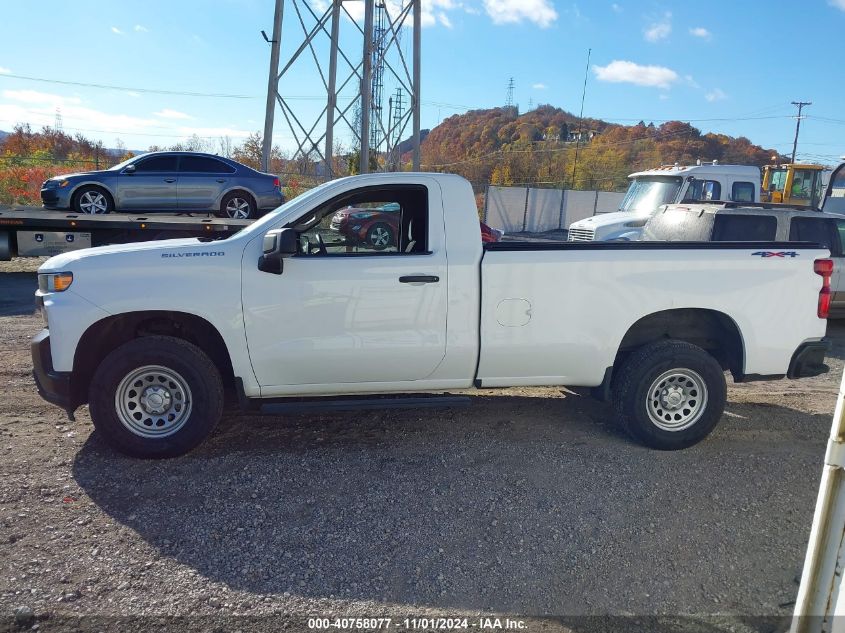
{"points": [[824, 267], [277, 183]]}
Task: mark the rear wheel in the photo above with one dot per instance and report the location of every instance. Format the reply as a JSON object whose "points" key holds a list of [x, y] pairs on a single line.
{"points": [[92, 200], [238, 205], [670, 394], [156, 396]]}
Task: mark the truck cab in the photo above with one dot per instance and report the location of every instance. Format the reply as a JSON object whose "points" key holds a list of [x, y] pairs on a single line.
{"points": [[794, 184], [650, 189]]}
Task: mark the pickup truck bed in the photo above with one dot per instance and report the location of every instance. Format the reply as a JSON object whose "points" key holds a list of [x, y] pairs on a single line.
{"points": [[150, 334]]}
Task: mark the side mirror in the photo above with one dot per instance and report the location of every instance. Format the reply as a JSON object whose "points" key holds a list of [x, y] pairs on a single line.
{"points": [[278, 245], [129, 169]]}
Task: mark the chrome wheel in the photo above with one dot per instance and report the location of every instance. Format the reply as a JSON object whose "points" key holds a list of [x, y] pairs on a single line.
{"points": [[677, 399], [153, 401], [93, 202], [238, 208], [379, 237]]}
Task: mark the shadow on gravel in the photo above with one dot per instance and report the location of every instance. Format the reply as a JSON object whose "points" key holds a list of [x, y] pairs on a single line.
{"points": [[836, 334], [17, 293], [523, 505]]}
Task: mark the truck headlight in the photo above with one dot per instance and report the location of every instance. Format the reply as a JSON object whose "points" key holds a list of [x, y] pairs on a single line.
{"points": [[54, 282]]}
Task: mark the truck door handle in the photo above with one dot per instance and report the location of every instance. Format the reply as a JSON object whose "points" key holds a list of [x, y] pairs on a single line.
{"points": [[419, 279], [221, 180], [169, 180]]}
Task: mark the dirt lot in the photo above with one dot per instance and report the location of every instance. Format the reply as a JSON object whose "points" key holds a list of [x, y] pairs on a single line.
{"points": [[530, 502]]}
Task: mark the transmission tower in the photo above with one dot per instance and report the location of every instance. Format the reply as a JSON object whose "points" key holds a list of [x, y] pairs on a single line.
{"points": [[396, 105], [353, 74], [57, 125], [378, 76], [509, 100]]}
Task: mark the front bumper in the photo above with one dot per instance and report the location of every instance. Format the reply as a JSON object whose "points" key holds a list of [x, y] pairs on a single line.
{"points": [[55, 197], [53, 386], [808, 360]]}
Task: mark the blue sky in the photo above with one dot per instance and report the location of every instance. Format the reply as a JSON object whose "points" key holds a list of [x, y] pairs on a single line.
{"points": [[724, 65]]}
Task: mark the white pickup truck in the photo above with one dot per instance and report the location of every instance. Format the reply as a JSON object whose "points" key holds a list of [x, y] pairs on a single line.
{"points": [[151, 335]]}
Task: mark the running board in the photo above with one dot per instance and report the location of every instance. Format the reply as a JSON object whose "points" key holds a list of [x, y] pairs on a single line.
{"points": [[288, 406]]}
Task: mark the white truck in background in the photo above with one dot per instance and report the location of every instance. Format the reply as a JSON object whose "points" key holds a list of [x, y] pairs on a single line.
{"points": [[666, 185], [286, 311]]}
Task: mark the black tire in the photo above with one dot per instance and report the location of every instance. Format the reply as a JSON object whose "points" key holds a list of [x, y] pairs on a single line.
{"points": [[380, 236], [203, 397], [635, 405], [92, 200], [241, 201]]}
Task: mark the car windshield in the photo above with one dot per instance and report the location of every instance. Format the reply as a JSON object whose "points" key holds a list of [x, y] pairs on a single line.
{"points": [[123, 164], [646, 194]]}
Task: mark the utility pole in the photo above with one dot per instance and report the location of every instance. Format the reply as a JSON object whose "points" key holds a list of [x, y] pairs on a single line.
{"points": [[800, 105], [272, 84]]}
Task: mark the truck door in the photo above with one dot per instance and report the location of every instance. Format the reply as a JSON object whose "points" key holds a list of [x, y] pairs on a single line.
{"points": [[364, 300]]}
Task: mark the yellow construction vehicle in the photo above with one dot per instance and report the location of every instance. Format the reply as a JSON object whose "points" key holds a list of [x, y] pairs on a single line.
{"points": [[795, 184]]}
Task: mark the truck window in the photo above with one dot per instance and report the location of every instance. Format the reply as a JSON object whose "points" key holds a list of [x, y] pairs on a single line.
{"points": [[816, 230], [703, 190], [743, 192], [840, 231], [803, 184], [744, 228], [376, 221]]}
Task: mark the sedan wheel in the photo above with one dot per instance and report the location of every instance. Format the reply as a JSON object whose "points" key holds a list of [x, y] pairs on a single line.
{"points": [[93, 202], [238, 208]]}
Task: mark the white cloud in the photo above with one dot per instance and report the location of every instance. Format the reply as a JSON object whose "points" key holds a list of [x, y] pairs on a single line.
{"points": [[715, 95], [134, 94], [4, 70], [33, 96], [539, 86], [839, 4], [659, 30], [619, 71], [140, 28], [618, 9], [444, 19], [167, 113], [541, 12], [117, 31], [704, 34]]}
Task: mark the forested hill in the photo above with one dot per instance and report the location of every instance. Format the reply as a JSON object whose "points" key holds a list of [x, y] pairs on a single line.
{"points": [[503, 147]]}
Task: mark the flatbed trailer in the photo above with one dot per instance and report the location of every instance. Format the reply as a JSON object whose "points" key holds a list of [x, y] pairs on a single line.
{"points": [[35, 232]]}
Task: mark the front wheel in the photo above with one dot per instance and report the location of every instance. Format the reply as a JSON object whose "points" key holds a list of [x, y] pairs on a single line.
{"points": [[156, 396], [92, 200], [670, 395]]}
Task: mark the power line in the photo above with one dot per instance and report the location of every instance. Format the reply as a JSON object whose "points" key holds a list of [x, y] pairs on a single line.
{"points": [[218, 95]]}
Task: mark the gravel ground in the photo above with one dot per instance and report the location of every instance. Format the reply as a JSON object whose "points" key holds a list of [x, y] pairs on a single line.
{"points": [[530, 502]]}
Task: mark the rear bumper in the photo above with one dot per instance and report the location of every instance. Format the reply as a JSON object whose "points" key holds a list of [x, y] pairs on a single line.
{"points": [[53, 386], [808, 360]]}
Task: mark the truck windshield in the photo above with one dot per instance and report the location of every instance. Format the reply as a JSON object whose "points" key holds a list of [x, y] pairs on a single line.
{"points": [[646, 194]]}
